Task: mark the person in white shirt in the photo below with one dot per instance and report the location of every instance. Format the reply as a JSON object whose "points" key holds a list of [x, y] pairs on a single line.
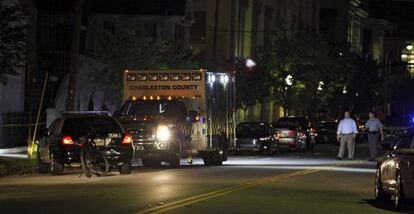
{"points": [[346, 133]]}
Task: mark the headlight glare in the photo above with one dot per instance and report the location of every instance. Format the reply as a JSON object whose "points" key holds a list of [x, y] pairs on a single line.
{"points": [[163, 133]]}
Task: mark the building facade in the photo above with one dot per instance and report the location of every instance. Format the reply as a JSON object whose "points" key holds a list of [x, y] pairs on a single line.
{"points": [[232, 31]]}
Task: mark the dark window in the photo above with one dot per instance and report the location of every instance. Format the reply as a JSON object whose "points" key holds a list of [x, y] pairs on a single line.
{"points": [[168, 109], [109, 26], [179, 32], [150, 30], [303, 122], [63, 35], [198, 29], [80, 126], [327, 22], [253, 130]]}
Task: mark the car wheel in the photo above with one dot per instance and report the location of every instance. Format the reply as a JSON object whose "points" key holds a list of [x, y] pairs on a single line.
{"points": [[151, 162], [400, 200], [125, 168], [379, 192], [56, 168]]}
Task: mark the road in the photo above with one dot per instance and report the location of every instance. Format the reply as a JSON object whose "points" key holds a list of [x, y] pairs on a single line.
{"points": [[311, 182]]}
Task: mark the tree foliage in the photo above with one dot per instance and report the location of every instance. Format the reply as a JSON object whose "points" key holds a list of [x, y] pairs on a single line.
{"points": [[128, 51], [309, 59], [13, 25]]}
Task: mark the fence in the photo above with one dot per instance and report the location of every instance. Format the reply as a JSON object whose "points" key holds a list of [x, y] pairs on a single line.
{"points": [[14, 129]]}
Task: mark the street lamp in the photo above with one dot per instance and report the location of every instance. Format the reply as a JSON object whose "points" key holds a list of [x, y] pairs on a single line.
{"points": [[250, 63], [320, 86], [289, 80], [344, 90]]}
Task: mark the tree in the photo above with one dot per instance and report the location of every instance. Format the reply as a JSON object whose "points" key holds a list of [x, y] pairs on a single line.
{"points": [[13, 25], [128, 51], [320, 70]]}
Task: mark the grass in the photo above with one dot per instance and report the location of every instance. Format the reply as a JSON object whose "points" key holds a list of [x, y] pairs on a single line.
{"points": [[17, 166]]}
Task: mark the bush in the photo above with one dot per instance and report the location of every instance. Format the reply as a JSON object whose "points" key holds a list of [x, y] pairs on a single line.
{"points": [[16, 166]]}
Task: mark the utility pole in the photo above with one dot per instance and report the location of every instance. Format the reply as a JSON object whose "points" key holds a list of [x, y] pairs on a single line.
{"points": [[74, 56]]}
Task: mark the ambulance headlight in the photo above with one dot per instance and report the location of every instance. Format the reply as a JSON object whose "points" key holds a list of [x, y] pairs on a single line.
{"points": [[163, 133]]}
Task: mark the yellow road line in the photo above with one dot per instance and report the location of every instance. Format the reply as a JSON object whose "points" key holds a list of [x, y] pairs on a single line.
{"points": [[227, 190]]}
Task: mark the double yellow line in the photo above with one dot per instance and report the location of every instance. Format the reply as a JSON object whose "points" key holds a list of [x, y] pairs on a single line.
{"points": [[224, 191]]}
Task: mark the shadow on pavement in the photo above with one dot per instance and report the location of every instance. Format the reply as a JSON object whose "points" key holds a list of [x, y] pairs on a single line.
{"points": [[388, 206]]}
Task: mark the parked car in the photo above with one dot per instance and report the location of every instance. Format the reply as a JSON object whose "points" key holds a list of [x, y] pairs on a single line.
{"points": [[305, 126], [362, 136], [327, 132], [393, 129], [291, 136], [255, 137], [395, 172], [60, 145]]}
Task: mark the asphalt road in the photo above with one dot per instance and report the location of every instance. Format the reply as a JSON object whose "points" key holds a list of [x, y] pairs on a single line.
{"points": [[312, 182]]}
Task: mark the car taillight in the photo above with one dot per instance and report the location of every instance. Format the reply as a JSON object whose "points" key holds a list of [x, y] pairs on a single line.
{"points": [[127, 139], [291, 134], [67, 140]]}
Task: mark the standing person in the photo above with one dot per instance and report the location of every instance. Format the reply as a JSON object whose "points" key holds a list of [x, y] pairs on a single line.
{"points": [[346, 133], [374, 128]]}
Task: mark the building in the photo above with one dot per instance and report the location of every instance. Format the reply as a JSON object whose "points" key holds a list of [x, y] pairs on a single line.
{"points": [[13, 118], [158, 19], [231, 31], [345, 21], [49, 40]]}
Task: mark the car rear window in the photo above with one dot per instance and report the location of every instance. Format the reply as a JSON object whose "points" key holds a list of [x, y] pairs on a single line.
{"points": [[285, 126], [80, 126], [294, 121], [252, 129]]}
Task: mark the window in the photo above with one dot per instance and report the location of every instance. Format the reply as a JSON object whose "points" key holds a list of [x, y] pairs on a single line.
{"points": [[109, 27], [179, 32], [63, 34], [53, 128], [150, 29], [80, 126], [198, 29]]}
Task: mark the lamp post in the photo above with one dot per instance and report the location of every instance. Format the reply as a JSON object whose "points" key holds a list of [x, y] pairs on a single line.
{"points": [[289, 82]]}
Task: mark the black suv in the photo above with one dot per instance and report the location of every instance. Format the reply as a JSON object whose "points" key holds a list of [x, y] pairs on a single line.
{"points": [[60, 146]]}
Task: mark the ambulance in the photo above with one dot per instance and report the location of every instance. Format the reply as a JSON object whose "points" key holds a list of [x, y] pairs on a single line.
{"points": [[176, 114]]}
